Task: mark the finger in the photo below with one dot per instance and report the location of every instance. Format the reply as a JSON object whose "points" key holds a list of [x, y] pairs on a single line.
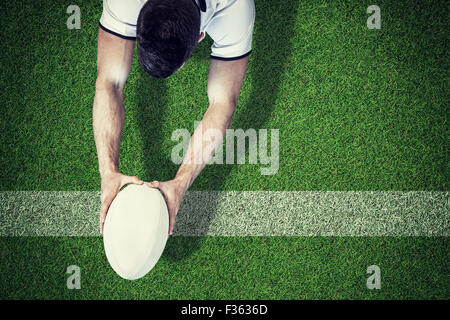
{"points": [[104, 210], [171, 225], [102, 225], [102, 222], [154, 184], [130, 179]]}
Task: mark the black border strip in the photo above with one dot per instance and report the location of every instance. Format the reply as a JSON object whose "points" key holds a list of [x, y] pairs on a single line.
{"points": [[115, 33], [233, 58], [260, 309]]}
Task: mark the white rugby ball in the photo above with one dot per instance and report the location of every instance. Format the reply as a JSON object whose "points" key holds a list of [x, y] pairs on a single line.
{"points": [[136, 230]]}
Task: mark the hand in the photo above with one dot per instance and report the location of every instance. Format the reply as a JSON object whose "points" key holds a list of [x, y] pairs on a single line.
{"points": [[111, 184], [173, 191]]}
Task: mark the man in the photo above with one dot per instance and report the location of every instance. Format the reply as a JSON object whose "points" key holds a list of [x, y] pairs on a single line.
{"points": [[167, 32]]}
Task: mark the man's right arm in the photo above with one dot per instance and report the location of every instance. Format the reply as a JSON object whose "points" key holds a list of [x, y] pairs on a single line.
{"points": [[114, 56]]}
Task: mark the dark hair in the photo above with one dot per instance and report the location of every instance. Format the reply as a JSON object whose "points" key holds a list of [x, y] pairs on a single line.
{"points": [[167, 33]]}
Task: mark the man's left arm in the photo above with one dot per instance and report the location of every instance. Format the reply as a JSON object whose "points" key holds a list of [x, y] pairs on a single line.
{"points": [[224, 85]]}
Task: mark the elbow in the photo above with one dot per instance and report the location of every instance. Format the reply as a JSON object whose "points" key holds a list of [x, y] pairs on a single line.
{"points": [[111, 78], [103, 84]]}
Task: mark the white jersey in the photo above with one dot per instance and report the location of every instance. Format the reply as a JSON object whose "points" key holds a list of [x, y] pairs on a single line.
{"points": [[228, 22]]}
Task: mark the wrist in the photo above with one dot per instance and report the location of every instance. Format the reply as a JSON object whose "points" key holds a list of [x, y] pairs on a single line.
{"points": [[105, 172], [183, 180]]}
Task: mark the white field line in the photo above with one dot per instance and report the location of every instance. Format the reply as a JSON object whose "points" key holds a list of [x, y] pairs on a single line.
{"points": [[243, 213]]}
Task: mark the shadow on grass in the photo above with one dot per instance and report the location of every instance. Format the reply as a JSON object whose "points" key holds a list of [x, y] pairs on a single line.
{"points": [[274, 26]]}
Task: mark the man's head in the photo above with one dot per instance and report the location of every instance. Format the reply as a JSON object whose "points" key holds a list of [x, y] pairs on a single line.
{"points": [[167, 33]]}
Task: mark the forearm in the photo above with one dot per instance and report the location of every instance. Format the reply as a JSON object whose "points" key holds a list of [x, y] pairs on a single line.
{"points": [[108, 119], [203, 144]]}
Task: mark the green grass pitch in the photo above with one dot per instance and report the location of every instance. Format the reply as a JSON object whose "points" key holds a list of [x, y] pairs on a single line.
{"points": [[357, 109]]}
